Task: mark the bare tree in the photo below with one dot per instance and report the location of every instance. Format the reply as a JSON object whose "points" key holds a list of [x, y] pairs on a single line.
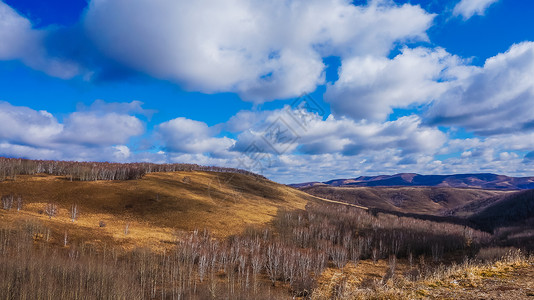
{"points": [[73, 212], [257, 261], [51, 210], [7, 201], [19, 202], [339, 256], [274, 261]]}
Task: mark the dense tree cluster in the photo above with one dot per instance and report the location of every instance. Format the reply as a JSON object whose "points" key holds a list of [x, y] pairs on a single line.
{"points": [[346, 233], [10, 168]]}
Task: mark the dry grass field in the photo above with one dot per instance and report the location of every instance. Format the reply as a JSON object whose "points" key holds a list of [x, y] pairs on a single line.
{"points": [[154, 208], [509, 277]]}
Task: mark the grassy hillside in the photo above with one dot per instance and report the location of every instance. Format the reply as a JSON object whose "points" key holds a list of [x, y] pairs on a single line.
{"points": [[418, 200], [154, 207]]}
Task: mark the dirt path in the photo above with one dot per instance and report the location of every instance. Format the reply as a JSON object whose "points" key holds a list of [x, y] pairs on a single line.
{"points": [[339, 202]]}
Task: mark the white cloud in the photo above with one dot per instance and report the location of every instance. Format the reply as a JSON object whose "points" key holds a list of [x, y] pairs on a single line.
{"points": [[182, 135], [495, 99], [26, 126], [261, 50], [123, 108], [15, 32], [100, 129], [83, 135], [469, 8], [370, 87], [19, 41], [122, 153], [332, 135], [350, 138]]}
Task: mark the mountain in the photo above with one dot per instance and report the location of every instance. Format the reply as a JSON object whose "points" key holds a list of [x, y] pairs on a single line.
{"points": [[476, 181]]}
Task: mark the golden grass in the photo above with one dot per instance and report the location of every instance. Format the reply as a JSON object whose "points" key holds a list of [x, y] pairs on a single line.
{"points": [[155, 207], [510, 277]]}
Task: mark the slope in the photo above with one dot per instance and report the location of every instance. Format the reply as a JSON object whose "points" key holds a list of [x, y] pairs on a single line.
{"points": [[417, 200], [150, 211], [514, 210]]}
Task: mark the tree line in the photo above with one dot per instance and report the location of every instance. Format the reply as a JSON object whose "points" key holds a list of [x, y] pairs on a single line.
{"points": [[10, 168]]}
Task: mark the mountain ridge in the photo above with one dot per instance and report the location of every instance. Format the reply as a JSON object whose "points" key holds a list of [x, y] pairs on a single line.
{"points": [[475, 180]]}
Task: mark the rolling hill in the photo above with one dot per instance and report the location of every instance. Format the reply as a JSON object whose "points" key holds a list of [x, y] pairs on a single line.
{"points": [[416, 200], [512, 210], [154, 208], [478, 181]]}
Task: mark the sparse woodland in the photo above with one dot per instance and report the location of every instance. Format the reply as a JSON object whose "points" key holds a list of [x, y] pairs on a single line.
{"points": [[10, 168], [275, 262]]}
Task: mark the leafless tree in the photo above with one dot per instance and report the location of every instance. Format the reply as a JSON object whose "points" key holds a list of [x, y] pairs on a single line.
{"points": [[257, 261], [51, 210], [274, 261], [73, 212], [7, 201], [339, 256], [90, 171], [19, 202]]}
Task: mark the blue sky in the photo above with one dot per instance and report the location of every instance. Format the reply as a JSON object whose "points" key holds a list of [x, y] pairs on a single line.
{"points": [[296, 90]]}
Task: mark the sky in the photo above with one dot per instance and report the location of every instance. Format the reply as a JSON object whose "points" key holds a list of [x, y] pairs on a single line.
{"points": [[296, 90]]}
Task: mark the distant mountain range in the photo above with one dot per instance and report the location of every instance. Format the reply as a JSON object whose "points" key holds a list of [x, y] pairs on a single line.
{"points": [[479, 181]]}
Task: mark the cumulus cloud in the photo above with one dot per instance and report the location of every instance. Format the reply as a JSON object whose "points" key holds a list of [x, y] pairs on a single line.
{"points": [[26, 126], [82, 135], [337, 135], [469, 8], [261, 50], [348, 137], [182, 135], [100, 129], [370, 87], [494, 99], [19, 41]]}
